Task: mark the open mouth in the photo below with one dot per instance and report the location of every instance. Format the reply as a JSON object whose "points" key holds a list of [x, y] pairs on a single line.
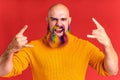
{"points": [[59, 31]]}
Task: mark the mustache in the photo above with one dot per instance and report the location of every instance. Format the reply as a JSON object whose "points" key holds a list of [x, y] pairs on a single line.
{"points": [[63, 27], [59, 27], [55, 27]]}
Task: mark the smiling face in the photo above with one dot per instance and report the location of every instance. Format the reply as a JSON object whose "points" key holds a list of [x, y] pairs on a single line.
{"points": [[58, 19]]}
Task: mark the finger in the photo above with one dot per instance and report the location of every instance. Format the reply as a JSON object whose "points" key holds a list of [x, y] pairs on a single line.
{"points": [[21, 39], [90, 36], [28, 46], [97, 24], [23, 30]]}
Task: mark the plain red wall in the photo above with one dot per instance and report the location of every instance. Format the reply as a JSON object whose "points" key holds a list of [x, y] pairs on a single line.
{"points": [[14, 14]]}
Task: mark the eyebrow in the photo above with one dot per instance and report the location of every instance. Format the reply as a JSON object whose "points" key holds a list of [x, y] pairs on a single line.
{"points": [[57, 18], [53, 18]]}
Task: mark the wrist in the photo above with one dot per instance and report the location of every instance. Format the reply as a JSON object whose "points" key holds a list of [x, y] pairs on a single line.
{"points": [[10, 51]]}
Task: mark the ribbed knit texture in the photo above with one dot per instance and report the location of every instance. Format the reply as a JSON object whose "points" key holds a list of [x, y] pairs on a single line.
{"points": [[66, 63]]}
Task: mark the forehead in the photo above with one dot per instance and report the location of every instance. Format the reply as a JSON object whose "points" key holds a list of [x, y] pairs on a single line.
{"points": [[58, 12]]}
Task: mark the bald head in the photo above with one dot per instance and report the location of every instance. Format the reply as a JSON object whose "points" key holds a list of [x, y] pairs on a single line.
{"points": [[58, 8]]}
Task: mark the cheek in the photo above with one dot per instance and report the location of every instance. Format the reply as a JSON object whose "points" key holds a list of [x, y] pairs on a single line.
{"points": [[51, 25], [66, 26]]}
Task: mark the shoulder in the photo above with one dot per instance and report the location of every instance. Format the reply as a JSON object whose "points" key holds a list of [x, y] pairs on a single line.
{"points": [[80, 42], [77, 39], [36, 42]]}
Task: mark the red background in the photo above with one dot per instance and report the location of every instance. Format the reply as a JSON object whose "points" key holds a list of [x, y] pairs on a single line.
{"points": [[14, 14]]}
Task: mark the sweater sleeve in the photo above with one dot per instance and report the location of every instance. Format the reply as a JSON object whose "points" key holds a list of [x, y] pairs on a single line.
{"points": [[96, 60], [20, 62]]}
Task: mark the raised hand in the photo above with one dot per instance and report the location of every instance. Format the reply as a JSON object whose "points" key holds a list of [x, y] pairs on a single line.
{"points": [[19, 41], [100, 34]]}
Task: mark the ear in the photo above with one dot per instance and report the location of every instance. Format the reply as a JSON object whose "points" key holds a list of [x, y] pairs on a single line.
{"points": [[70, 20]]}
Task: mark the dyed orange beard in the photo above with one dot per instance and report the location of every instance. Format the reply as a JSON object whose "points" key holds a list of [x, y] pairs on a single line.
{"points": [[55, 41]]}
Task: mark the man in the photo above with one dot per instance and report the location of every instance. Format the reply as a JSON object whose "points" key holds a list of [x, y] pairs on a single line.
{"points": [[59, 55]]}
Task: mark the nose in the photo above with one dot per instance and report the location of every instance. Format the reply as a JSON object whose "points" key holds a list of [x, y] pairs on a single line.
{"points": [[59, 23]]}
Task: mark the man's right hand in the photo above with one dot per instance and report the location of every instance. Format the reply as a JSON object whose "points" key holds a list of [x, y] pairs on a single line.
{"points": [[19, 41], [6, 59]]}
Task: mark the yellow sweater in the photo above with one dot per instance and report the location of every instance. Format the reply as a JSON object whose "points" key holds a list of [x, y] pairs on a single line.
{"points": [[66, 63]]}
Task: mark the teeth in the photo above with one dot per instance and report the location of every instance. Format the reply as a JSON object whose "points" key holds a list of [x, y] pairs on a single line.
{"points": [[59, 29]]}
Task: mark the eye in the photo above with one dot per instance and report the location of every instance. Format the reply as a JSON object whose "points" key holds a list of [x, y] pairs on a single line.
{"points": [[53, 19], [63, 19]]}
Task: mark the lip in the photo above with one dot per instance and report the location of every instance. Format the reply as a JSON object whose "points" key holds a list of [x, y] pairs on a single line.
{"points": [[59, 31], [59, 34]]}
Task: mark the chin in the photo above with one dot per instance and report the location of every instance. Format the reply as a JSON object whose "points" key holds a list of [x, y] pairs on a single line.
{"points": [[59, 34]]}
